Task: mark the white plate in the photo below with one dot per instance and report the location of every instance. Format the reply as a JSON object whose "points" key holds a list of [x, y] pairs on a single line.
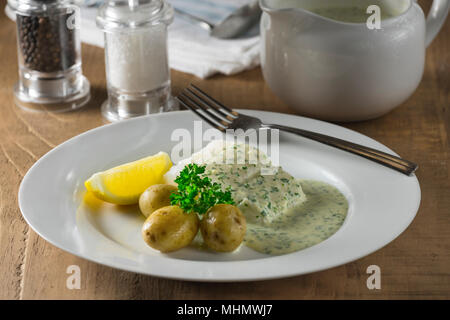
{"points": [[382, 202]]}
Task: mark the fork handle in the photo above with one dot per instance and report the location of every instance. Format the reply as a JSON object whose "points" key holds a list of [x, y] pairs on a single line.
{"points": [[383, 158]]}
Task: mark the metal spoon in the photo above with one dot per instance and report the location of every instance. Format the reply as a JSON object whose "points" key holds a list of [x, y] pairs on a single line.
{"points": [[232, 26]]}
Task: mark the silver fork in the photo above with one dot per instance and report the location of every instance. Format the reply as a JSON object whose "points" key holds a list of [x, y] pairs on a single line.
{"points": [[222, 118]]}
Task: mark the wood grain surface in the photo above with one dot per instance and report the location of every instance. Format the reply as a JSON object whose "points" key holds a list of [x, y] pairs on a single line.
{"points": [[415, 265]]}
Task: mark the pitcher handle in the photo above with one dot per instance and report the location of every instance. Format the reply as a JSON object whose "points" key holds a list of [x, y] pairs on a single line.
{"points": [[436, 18]]}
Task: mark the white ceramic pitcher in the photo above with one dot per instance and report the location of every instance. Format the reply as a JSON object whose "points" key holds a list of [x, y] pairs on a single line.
{"points": [[342, 71]]}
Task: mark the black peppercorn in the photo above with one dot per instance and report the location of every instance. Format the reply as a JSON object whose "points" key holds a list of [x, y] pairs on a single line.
{"points": [[46, 43]]}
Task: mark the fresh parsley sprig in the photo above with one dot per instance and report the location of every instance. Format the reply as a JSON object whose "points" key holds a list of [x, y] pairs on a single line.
{"points": [[196, 192]]}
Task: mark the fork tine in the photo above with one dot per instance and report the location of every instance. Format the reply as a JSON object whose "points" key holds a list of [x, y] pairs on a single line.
{"points": [[212, 123], [234, 113], [210, 105], [205, 109]]}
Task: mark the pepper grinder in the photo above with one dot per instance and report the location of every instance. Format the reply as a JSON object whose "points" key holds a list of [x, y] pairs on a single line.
{"points": [[48, 43], [137, 70]]}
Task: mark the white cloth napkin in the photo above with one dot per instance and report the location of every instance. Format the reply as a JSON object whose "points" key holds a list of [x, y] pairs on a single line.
{"points": [[191, 49]]}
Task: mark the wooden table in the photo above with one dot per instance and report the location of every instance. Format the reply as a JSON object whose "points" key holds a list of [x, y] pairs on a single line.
{"points": [[415, 265]]}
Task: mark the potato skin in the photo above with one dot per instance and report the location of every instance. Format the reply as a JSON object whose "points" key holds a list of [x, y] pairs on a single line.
{"points": [[223, 228], [155, 197], [170, 228]]}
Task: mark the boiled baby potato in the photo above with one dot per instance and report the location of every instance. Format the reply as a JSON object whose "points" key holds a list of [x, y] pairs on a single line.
{"points": [[223, 227], [170, 228], [155, 197]]}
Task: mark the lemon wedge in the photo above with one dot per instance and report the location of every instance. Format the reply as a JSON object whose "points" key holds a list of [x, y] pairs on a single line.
{"points": [[125, 183]]}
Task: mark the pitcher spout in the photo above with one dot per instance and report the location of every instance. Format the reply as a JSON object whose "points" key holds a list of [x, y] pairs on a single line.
{"points": [[272, 7]]}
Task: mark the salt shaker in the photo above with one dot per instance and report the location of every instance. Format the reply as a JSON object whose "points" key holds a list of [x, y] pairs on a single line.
{"points": [[48, 43], [137, 70]]}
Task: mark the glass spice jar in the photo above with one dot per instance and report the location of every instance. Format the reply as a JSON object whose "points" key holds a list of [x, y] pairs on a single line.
{"points": [[48, 43], [136, 61]]}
